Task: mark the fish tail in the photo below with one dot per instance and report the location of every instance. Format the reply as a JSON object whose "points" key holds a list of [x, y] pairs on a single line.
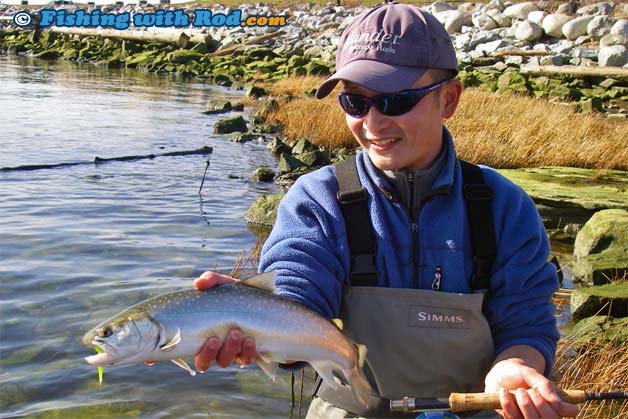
{"points": [[360, 386]]}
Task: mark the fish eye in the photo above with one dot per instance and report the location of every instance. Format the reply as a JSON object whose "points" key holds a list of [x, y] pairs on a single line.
{"points": [[105, 332]]}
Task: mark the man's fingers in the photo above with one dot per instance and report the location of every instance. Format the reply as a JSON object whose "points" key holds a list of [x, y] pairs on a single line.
{"points": [[230, 348], [203, 359], [210, 279], [509, 409], [249, 352]]}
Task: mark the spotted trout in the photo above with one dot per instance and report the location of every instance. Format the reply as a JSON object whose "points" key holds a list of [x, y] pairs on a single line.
{"points": [[173, 326]]}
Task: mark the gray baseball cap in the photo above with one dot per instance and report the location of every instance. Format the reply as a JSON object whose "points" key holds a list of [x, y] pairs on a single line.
{"points": [[389, 47]]}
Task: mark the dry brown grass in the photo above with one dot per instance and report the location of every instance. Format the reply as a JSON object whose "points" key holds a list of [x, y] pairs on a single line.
{"points": [[594, 367], [500, 131], [517, 131]]}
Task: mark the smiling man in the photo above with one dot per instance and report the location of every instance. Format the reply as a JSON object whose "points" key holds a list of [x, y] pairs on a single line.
{"points": [[439, 267]]}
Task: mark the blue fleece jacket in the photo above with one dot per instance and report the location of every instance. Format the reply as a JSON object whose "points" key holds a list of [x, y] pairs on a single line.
{"points": [[309, 251]]}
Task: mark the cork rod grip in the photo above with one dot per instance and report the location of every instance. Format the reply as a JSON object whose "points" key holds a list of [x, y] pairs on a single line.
{"points": [[462, 402]]}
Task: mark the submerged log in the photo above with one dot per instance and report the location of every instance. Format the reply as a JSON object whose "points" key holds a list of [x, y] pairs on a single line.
{"points": [[616, 73]]}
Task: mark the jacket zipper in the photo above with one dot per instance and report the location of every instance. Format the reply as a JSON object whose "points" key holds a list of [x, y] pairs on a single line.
{"points": [[415, 235]]}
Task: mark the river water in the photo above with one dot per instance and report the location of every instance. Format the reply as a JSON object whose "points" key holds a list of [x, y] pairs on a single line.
{"points": [[80, 243]]}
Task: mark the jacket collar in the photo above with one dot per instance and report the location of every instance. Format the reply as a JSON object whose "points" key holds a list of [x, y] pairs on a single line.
{"points": [[442, 184]]}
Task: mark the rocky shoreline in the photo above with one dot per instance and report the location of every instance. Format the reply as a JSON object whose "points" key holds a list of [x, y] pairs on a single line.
{"points": [[573, 55]]}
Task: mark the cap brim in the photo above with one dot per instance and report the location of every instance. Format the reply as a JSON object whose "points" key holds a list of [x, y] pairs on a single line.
{"points": [[373, 75]]}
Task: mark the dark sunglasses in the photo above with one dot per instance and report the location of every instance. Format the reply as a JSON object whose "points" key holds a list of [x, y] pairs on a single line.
{"points": [[391, 104]]}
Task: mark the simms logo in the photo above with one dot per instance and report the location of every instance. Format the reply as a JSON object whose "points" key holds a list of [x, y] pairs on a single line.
{"points": [[438, 317], [422, 316]]}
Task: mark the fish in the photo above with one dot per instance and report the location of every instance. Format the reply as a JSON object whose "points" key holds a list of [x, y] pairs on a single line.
{"points": [[173, 327]]}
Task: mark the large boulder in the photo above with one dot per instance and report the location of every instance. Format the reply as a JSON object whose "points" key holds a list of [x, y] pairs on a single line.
{"points": [[600, 26], [520, 10], [609, 299], [576, 27], [613, 56], [264, 210], [612, 39], [620, 27], [601, 247], [229, 125], [553, 24], [528, 31]]}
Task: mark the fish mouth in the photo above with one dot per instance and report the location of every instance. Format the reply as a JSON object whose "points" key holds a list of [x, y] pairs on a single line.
{"points": [[104, 355]]}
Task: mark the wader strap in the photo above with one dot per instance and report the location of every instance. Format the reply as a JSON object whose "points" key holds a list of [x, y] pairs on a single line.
{"points": [[352, 198], [478, 196]]}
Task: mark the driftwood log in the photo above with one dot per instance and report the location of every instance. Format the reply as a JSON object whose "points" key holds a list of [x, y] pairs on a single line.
{"points": [[520, 52], [616, 73], [179, 38]]}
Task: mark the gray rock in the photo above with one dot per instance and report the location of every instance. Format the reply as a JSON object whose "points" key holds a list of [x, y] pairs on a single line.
{"points": [[614, 56], [454, 22], [551, 60], [483, 21], [502, 20], [229, 125], [562, 47], [520, 10], [610, 40], [585, 52], [553, 24], [482, 37], [576, 27], [620, 27], [537, 16], [494, 5], [440, 6], [604, 300], [489, 48], [528, 31], [601, 246], [600, 26], [264, 210], [602, 8], [514, 60]]}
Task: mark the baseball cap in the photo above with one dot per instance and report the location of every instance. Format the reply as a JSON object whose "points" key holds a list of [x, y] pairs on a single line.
{"points": [[389, 47]]}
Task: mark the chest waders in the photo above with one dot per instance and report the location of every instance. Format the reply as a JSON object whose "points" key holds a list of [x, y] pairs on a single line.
{"points": [[422, 343]]}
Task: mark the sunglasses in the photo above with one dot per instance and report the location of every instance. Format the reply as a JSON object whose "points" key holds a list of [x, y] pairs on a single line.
{"points": [[391, 104]]}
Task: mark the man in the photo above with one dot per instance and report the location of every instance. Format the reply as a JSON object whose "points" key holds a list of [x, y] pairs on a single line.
{"points": [[429, 331]]}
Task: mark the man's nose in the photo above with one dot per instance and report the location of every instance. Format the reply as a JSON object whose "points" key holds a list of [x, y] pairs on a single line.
{"points": [[374, 121]]}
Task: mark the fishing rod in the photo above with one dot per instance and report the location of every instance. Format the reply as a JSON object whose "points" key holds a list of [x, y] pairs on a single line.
{"points": [[462, 402]]}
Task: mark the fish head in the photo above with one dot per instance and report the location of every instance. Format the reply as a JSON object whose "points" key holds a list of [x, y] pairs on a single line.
{"points": [[127, 338]]}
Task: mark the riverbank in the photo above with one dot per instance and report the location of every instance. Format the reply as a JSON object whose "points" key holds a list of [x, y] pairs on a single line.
{"points": [[587, 130]]}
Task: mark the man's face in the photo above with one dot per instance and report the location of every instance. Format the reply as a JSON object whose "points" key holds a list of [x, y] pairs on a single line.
{"points": [[410, 141]]}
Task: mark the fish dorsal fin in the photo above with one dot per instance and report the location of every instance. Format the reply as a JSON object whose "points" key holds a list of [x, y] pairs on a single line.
{"points": [[339, 324], [172, 342], [181, 363], [265, 281]]}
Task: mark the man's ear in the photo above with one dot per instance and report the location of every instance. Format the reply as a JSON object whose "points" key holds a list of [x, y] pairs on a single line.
{"points": [[450, 95]]}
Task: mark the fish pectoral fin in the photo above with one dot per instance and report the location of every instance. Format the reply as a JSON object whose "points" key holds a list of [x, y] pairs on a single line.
{"points": [[326, 371], [181, 363], [268, 366], [265, 281], [176, 339]]}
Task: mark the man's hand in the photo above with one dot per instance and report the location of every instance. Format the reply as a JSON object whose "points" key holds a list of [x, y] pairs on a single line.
{"points": [[534, 395], [236, 346]]}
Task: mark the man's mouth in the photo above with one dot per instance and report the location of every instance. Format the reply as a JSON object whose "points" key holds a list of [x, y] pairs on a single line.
{"points": [[383, 142]]}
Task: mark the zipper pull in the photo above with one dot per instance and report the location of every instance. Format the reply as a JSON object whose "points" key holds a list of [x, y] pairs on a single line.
{"points": [[438, 276]]}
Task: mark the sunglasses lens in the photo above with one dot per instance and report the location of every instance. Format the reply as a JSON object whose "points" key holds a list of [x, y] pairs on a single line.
{"points": [[399, 103], [355, 105]]}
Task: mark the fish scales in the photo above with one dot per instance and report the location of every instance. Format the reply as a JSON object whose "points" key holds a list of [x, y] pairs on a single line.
{"points": [[174, 326]]}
